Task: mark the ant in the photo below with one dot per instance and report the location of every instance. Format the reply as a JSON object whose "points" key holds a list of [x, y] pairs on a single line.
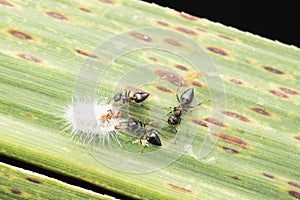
{"points": [[184, 102], [146, 137], [137, 97]]}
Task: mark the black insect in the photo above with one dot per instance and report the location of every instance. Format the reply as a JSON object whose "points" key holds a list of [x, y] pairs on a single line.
{"points": [[184, 103], [145, 136], [137, 97]]}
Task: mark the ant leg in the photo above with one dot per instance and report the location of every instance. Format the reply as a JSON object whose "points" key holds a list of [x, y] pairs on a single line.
{"points": [[194, 107]]}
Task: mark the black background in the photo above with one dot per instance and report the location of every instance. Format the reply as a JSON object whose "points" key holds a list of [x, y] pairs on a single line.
{"points": [[276, 20]]}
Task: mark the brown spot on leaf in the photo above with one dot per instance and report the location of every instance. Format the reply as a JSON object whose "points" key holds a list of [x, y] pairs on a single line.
{"points": [[279, 94], [33, 180], [28, 115], [172, 42], [86, 53], [6, 3], [236, 116], [294, 194], [289, 91], [294, 184], [7, 175], [297, 137], [179, 188], [273, 70], [236, 81], [171, 77], [261, 111], [20, 35], [164, 89], [140, 36], [85, 10], [162, 23], [29, 57], [185, 30], [15, 191], [235, 178], [196, 83], [200, 122], [188, 17], [217, 50], [226, 37], [268, 175], [201, 29], [56, 15], [233, 140], [229, 150], [181, 67], [106, 1], [152, 58], [214, 121]]}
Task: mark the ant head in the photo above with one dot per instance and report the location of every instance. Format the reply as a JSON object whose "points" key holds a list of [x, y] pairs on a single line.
{"points": [[187, 96], [117, 97]]}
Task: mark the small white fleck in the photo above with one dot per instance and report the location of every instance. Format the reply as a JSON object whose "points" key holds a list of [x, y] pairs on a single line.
{"points": [[135, 17], [146, 37], [188, 187]]}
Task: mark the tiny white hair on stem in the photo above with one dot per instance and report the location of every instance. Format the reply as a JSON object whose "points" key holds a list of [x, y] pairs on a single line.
{"points": [[85, 120]]}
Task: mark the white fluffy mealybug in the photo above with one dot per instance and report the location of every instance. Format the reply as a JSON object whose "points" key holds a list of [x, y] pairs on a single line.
{"points": [[93, 122]]}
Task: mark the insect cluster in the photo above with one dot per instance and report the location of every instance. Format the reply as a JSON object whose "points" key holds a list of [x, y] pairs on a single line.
{"points": [[109, 121]]}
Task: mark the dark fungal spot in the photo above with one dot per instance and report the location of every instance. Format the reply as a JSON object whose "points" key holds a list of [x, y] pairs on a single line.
{"points": [[289, 91], [236, 116], [196, 83], [6, 3], [226, 37], [188, 17], [85, 10], [294, 194], [106, 1], [15, 191], [20, 35], [162, 23], [33, 180], [261, 111], [140, 36], [229, 150], [297, 137], [272, 70], [268, 175], [164, 89], [171, 77], [56, 15], [217, 51], [233, 140], [7, 175], [179, 188], [85, 53], [278, 93], [214, 121], [236, 81], [172, 42], [181, 67], [185, 30], [294, 184], [200, 122], [235, 178], [29, 57], [152, 58]]}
